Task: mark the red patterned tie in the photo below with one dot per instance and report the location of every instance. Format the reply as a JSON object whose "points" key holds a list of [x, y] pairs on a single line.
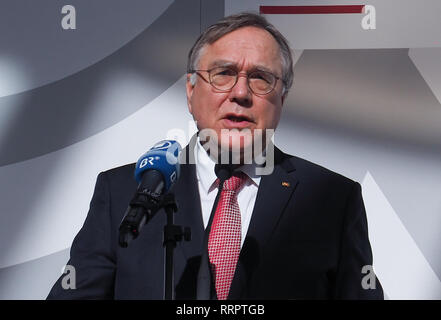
{"points": [[225, 235]]}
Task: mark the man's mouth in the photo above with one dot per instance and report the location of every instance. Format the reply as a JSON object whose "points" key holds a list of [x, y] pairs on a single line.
{"points": [[237, 118], [238, 121]]}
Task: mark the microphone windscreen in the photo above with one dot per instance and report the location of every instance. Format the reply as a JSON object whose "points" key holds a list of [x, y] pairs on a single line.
{"points": [[163, 157]]}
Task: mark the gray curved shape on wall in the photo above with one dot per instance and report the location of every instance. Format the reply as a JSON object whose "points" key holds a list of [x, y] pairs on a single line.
{"points": [[62, 113], [377, 93], [32, 279], [40, 51]]}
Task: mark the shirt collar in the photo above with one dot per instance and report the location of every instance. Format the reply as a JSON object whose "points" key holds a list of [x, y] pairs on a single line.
{"points": [[205, 170]]}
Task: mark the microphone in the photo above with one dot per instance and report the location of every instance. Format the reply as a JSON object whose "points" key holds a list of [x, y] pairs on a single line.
{"points": [[156, 172]]}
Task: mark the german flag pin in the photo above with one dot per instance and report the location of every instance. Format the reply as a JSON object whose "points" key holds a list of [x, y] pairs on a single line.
{"points": [[286, 184]]}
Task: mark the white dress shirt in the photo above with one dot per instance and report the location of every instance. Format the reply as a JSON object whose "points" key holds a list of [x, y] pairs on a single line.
{"points": [[208, 190]]}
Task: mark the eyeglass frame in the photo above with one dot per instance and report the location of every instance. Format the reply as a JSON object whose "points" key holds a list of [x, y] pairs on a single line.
{"points": [[196, 71]]}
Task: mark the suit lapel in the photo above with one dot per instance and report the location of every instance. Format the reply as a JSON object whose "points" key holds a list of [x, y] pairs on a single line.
{"points": [[274, 193]]}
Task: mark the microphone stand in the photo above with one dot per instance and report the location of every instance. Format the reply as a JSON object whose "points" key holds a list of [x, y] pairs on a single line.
{"points": [[142, 208], [172, 235]]}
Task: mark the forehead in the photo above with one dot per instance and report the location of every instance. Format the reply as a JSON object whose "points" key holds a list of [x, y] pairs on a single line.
{"points": [[246, 47]]}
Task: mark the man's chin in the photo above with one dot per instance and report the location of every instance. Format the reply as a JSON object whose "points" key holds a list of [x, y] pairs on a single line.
{"points": [[232, 146], [235, 152]]}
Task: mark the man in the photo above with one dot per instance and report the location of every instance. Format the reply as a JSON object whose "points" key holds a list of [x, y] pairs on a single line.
{"points": [[299, 232]]}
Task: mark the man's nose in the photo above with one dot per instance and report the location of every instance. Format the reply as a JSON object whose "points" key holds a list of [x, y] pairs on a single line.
{"points": [[241, 93]]}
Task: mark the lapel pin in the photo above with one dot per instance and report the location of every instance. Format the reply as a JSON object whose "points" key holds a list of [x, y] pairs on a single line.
{"points": [[285, 184]]}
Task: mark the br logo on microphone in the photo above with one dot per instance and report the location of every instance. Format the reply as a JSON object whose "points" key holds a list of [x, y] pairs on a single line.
{"points": [[173, 177], [162, 145], [146, 161]]}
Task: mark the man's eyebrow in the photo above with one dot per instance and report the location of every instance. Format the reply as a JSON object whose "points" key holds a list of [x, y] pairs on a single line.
{"points": [[226, 63], [262, 68], [222, 63]]}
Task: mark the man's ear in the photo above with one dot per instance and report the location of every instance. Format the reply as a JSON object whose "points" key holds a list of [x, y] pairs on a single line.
{"points": [[284, 95], [189, 88]]}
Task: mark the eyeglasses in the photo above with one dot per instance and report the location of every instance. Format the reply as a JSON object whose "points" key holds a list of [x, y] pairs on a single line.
{"points": [[224, 79]]}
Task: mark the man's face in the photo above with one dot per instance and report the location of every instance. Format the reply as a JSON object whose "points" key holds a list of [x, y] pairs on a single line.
{"points": [[246, 49]]}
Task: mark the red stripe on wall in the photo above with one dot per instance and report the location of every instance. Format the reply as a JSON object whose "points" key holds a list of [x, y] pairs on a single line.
{"points": [[311, 9]]}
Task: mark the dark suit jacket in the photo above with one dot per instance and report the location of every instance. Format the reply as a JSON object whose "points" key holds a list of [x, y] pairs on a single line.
{"points": [[307, 239]]}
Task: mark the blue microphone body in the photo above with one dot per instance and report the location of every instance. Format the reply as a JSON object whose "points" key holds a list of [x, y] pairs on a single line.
{"points": [[156, 171], [162, 157]]}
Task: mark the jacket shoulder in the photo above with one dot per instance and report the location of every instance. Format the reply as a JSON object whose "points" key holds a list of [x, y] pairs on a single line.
{"points": [[119, 179], [311, 171], [121, 171]]}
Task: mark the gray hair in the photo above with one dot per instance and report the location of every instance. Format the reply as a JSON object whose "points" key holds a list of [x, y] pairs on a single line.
{"points": [[237, 21]]}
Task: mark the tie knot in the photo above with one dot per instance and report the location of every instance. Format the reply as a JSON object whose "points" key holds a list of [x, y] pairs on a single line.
{"points": [[235, 182]]}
